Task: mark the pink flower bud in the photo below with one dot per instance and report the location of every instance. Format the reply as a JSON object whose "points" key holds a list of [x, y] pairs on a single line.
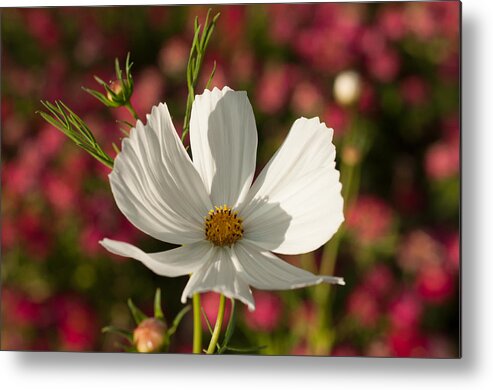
{"points": [[150, 336]]}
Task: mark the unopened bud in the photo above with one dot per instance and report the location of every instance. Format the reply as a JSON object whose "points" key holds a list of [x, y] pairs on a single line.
{"points": [[150, 335], [116, 87], [351, 155], [347, 87]]}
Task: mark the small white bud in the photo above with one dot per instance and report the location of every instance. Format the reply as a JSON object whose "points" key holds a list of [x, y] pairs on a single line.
{"points": [[347, 87]]}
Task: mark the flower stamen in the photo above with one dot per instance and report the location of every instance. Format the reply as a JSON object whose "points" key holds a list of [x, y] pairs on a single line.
{"points": [[223, 227]]}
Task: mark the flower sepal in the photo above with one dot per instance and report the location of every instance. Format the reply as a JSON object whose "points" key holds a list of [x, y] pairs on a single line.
{"points": [[118, 92], [151, 334]]}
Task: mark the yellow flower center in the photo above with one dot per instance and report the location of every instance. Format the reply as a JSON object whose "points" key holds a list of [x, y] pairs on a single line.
{"points": [[223, 227]]}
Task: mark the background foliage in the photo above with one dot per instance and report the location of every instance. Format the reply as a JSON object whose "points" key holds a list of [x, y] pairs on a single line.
{"points": [[400, 249]]}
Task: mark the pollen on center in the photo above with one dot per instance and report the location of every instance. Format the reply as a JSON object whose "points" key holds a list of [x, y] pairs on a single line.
{"points": [[223, 226]]}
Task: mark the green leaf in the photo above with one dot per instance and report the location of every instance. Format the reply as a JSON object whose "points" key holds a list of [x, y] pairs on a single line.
{"points": [[246, 349], [206, 320], [230, 329], [197, 53], [136, 312], [115, 148], [177, 320], [64, 119], [158, 311], [122, 332], [211, 76]]}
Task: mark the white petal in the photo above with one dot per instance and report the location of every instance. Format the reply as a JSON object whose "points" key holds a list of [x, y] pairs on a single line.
{"points": [[156, 185], [219, 275], [295, 205], [175, 262], [264, 270], [223, 138]]}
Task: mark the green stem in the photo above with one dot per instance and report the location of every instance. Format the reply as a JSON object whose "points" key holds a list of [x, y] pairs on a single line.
{"points": [[132, 111], [218, 326], [197, 324], [350, 180], [329, 256]]}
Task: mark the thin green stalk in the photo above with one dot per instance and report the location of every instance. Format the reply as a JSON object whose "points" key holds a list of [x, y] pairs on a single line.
{"points": [[218, 326], [132, 111], [197, 324], [197, 54], [330, 253], [350, 172]]}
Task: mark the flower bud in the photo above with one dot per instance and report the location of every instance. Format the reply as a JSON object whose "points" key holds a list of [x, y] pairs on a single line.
{"points": [[117, 89], [150, 335], [347, 87], [351, 155]]}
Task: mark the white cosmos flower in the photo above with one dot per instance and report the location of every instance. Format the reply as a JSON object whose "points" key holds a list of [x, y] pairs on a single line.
{"points": [[227, 227]]}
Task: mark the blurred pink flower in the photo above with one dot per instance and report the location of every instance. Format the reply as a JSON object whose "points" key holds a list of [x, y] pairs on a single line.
{"points": [[243, 63], [414, 90], [89, 240], [307, 99], [285, 20], [18, 309], [13, 338], [232, 24], [76, 323], [304, 318], [56, 72], [220, 79], [441, 347], [442, 161], [9, 233], [419, 250], [14, 130], [379, 280], [273, 88], [184, 348], [447, 14], [452, 246], [90, 46], [451, 130], [385, 66], [372, 42], [300, 349], [148, 89], [41, 25], [210, 304], [449, 67], [367, 99], [22, 81], [419, 20], [405, 311], [363, 307], [369, 218], [61, 195], [407, 197], [435, 284], [50, 140], [378, 348], [344, 350], [35, 235], [267, 314], [16, 178], [407, 342], [173, 56], [318, 44], [391, 22], [337, 118]]}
